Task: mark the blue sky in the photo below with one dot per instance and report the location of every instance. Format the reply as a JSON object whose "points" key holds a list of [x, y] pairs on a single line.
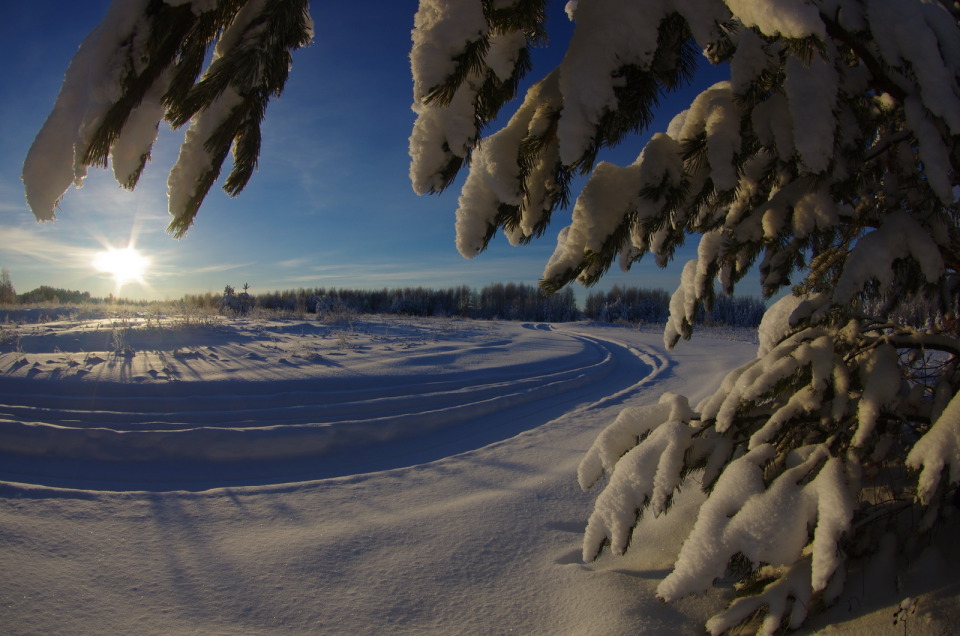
{"points": [[330, 206]]}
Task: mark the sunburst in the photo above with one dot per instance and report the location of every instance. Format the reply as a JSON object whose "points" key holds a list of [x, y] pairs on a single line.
{"points": [[125, 265]]}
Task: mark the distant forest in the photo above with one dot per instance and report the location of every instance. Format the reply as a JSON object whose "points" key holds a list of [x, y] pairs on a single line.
{"points": [[505, 301], [637, 305]]}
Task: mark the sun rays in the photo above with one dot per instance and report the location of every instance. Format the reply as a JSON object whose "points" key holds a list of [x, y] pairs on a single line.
{"points": [[124, 265]]}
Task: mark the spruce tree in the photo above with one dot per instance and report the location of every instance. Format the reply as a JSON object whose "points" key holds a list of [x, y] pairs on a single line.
{"points": [[829, 163]]}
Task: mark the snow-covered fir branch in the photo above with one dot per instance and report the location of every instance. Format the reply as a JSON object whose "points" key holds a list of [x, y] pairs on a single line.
{"points": [[829, 162]]}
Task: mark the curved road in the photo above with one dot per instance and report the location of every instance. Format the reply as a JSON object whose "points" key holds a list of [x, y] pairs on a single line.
{"points": [[160, 438]]}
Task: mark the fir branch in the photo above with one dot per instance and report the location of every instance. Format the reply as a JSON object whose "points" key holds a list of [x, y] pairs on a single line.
{"points": [[527, 16], [641, 89], [167, 27], [469, 61], [857, 44]]}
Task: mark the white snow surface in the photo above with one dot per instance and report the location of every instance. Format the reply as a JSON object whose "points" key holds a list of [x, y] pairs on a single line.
{"points": [[790, 18], [163, 475], [812, 95]]}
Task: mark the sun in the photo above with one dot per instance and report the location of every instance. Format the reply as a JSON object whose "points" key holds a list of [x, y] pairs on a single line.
{"points": [[124, 265]]}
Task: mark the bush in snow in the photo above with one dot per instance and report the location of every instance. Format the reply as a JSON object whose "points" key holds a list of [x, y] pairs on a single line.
{"points": [[233, 303], [830, 153]]}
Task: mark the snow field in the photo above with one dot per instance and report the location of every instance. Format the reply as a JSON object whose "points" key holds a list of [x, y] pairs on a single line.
{"points": [[445, 523], [468, 531]]}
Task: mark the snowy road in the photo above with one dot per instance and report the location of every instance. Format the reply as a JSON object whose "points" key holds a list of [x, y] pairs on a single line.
{"points": [[196, 435]]}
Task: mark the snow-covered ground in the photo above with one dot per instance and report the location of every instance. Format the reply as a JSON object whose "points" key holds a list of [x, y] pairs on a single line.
{"points": [[169, 475]]}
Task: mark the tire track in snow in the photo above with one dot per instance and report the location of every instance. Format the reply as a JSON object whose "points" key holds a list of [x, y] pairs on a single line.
{"points": [[292, 433], [657, 362]]}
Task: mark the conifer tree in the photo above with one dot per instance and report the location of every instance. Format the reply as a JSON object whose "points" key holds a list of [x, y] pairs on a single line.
{"points": [[829, 163], [7, 293], [144, 64]]}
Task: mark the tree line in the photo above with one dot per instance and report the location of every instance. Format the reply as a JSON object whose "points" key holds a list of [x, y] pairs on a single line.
{"points": [[637, 305], [505, 301]]}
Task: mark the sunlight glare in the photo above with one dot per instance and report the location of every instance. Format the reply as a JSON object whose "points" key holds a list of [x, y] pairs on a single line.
{"points": [[124, 265]]}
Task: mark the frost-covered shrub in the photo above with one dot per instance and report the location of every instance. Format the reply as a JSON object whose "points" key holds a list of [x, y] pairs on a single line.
{"points": [[335, 311], [831, 153], [233, 303]]}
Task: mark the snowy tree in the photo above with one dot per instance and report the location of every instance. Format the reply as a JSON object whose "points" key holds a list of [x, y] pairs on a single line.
{"points": [[142, 65], [827, 161], [7, 293]]}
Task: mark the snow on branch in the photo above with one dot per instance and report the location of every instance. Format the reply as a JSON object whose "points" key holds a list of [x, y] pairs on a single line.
{"points": [[767, 524], [251, 62], [93, 83], [683, 307], [467, 59], [592, 67], [516, 194], [613, 200], [641, 474], [916, 38], [899, 237], [631, 425], [787, 590], [789, 18], [141, 65], [937, 454], [811, 90]]}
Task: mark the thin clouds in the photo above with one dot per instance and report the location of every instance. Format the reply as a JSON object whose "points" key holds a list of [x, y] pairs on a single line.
{"points": [[12, 199], [441, 274], [18, 208], [41, 246], [221, 267], [294, 262]]}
